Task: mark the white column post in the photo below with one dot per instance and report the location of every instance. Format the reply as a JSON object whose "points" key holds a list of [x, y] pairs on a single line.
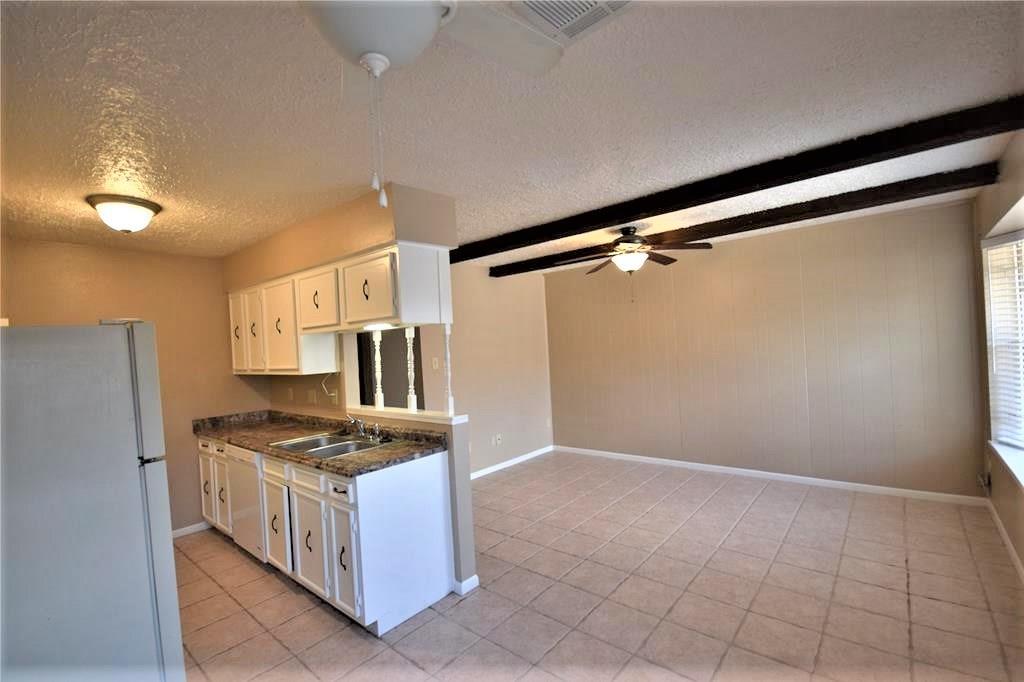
{"points": [[410, 362], [449, 398], [378, 393]]}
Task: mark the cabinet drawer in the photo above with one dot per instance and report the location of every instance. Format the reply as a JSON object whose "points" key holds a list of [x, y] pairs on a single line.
{"points": [[370, 290], [318, 300], [307, 479], [205, 446], [273, 467], [342, 490], [242, 454]]}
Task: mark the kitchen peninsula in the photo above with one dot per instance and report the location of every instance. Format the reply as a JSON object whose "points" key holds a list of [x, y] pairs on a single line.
{"points": [[368, 530]]}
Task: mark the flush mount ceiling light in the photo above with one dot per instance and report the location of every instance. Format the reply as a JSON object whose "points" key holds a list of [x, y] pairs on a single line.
{"points": [[124, 214], [630, 261]]}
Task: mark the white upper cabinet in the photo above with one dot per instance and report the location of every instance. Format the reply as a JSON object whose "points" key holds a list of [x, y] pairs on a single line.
{"points": [[279, 322], [271, 342], [290, 325], [318, 299], [253, 305], [370, 289], [401, 285], [236, 308]]}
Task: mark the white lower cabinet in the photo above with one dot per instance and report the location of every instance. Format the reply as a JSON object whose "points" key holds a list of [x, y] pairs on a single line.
{"points": [[309, 516], [222, 500], [345, 593], [206, 489], [377, 547], [277, 522]]}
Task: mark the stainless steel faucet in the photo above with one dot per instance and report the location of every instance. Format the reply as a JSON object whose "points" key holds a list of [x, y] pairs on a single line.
{"points": [[359, 424]]}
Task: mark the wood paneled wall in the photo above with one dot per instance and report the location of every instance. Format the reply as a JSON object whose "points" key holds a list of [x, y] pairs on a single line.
{"points": [[845, 351]]}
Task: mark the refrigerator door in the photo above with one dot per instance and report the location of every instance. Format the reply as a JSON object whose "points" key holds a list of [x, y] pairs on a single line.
{"points": [[165, 579], [84, 535], [146, 380]]}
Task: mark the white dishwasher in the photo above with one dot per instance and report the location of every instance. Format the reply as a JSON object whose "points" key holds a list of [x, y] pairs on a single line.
{"points": [[244, 473]]}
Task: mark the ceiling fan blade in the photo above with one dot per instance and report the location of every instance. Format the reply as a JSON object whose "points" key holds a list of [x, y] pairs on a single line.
{"points": [[660, 258], [485, 29], [680, 245], [599, 267]]}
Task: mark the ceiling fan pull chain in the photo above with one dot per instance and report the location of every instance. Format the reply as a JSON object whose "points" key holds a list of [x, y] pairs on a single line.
{"points": [[382, 199], [374, 177]]}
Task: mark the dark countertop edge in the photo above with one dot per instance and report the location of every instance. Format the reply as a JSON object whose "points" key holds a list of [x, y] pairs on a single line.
{"points": [[407, 445]]}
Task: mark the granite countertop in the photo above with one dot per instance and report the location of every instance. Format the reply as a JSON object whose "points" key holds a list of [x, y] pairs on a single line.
{"points": [[256, 430]]}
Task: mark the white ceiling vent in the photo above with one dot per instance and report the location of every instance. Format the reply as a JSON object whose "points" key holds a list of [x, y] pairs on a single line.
{"points": [[567, 20]]}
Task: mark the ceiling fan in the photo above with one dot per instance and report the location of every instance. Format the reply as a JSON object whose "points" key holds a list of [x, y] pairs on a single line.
{"points": [[630, 251]]}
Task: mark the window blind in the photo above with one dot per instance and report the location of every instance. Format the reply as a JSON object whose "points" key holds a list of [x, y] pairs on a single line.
{"points": [[1004, 300]]}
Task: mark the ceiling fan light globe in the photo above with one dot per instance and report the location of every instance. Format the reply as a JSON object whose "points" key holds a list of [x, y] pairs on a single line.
{"points": [[398, 30], [630, 261]]}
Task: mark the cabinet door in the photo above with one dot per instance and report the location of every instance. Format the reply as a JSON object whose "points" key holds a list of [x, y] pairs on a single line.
{"points": [[279, 315], [222, 504], [318, 300], [207, 490], [370, 290], [236, 308], [278, 524], [345, 591], [254, 330], [308, 521]]}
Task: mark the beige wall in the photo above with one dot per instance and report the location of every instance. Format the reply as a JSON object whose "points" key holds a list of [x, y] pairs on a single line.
{"points": [[50, 283], [845, 351], [500, 362]]}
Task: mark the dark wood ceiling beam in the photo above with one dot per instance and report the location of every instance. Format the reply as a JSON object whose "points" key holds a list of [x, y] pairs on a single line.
{"points": [[869, 197], [952, 128]]}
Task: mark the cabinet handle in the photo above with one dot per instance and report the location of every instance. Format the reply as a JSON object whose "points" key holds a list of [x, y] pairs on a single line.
{"points": [[220, 495], [206, 487], [316, 299], [236, 332], [220, 449], [341, 559], [273, 524], [277, 325], [309, 533], [339, 492], [252, 329], [366, 289]]}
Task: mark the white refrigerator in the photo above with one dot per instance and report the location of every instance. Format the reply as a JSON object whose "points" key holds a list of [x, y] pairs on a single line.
{"points": [[88, 581]]}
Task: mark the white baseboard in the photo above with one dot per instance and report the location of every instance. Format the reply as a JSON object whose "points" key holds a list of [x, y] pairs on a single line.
{"points": [[1006, 541], [188, 530], [790, 478], [466, 586], [511, 462]]}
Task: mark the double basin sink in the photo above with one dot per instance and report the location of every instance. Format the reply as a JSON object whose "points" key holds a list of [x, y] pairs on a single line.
{"points": [[326, 445]]}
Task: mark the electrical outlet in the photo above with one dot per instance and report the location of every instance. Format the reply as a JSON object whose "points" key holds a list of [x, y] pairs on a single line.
{"points": [[497, 439], [311, 397]]}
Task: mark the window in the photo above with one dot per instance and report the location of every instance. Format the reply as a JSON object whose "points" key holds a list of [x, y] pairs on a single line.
{"points": [[1004, 301]]}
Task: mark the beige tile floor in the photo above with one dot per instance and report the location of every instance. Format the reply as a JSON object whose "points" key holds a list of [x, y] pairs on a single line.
{"points": [[598, 569]]}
